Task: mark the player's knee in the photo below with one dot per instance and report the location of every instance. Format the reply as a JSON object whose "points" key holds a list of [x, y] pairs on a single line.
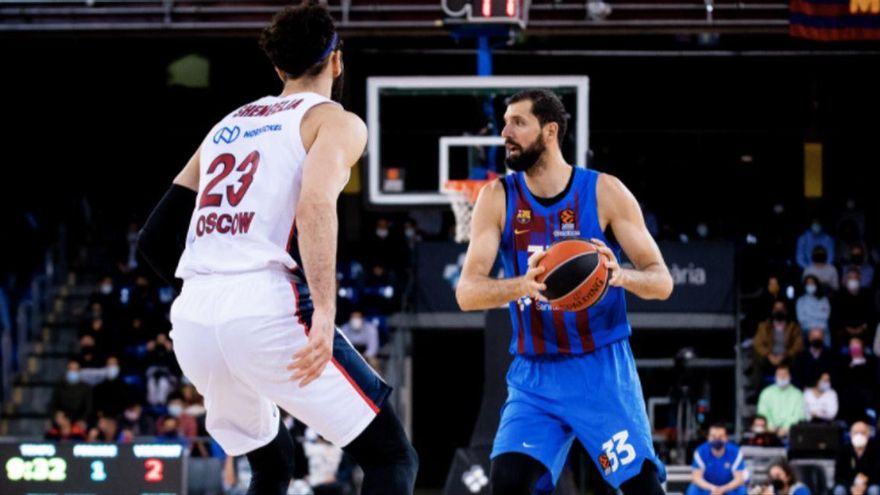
{"points": [[647, 482], [514, 474]]}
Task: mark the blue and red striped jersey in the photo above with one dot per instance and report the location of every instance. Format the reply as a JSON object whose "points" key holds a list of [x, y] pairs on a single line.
{"points": [[531, 226]]}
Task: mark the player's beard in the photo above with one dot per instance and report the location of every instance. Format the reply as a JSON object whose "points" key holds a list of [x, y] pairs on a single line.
{"points": [[527, 158]]}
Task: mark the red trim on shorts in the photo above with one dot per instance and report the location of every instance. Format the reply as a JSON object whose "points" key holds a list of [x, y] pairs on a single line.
{"points": [[355, 386], [296, 307]]}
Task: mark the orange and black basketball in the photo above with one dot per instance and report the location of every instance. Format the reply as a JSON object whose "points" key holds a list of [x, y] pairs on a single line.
{"points": [[575, 275]]}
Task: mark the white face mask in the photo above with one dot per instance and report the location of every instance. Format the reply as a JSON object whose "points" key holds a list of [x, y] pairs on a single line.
{"points": [[853, 285], [106, 289], [859, 440], [824, 386], [175, 410], [811, 289], [356, 323], [783, 382], [381, 233], [112, 372]]}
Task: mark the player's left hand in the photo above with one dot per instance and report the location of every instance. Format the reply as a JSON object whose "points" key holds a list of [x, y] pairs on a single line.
{"points": [[610, 262], [310, 361]]}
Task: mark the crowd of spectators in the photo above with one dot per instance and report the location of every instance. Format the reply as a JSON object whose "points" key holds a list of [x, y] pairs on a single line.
{"points": [[124, 382], [814, 346]]}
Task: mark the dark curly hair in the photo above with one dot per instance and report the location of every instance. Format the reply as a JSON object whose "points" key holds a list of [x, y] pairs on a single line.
{"points": [[547, 107], [298, 38]]}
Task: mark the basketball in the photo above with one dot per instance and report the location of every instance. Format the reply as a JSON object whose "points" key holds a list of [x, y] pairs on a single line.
{"points": [[575, 275]]}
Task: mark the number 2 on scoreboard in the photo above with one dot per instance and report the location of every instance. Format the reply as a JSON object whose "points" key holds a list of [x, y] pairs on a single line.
{"points": [[155, 471]]}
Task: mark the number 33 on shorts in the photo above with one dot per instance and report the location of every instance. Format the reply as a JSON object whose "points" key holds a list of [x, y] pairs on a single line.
{"points": [[617, 452]]}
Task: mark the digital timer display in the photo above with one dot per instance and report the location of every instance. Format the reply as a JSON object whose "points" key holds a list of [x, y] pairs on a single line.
{"points": [[92, 469]]}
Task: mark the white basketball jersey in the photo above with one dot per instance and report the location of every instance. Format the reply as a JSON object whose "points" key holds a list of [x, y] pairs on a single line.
{"points": [[250, 175]]}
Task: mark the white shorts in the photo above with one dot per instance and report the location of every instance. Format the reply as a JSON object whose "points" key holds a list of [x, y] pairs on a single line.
{"points": [[234, 336]]}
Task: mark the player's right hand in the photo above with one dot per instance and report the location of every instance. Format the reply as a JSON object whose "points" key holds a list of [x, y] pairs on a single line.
{"points": [[530, 286], [310, 361]]}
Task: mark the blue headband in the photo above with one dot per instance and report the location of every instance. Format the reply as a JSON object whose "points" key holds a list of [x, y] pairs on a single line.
{"points": [[330, 47]]}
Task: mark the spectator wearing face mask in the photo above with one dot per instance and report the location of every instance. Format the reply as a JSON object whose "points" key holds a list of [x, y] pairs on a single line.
{"points": [[759, 435], [822, 269], [813, 238], [784, 481], [777, 340], [820, 401], [364, 336], [815, 360], [858, 260], [856, 469], [813, 308], [781, 403], [718, 466], [72, 397], [853, 309], [111, 395], [858, 381]]}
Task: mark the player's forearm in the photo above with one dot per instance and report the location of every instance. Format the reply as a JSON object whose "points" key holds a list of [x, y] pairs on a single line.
{"points": [[651, 282], [477, 293], [318, 226]]}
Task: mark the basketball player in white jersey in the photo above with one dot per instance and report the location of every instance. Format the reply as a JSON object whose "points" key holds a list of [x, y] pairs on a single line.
{"points": [[248, 330]]}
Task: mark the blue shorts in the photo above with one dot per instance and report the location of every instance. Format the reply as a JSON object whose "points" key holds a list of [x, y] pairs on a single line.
{"points": [[595, 397]]}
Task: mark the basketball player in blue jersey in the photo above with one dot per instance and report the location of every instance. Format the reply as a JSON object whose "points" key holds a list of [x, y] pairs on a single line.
{"points": [[573, 375]]}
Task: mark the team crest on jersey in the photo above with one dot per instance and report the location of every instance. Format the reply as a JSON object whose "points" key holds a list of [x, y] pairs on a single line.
{"points": [[566, 218], [567, 224], [524, 216], [605, 463]]}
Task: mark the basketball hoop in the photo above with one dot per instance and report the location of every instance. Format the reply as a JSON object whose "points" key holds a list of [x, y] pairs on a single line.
{"points": [[462, 196]]}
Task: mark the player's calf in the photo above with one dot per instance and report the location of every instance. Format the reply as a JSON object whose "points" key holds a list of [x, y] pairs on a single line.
{"points": [[272, 465]]}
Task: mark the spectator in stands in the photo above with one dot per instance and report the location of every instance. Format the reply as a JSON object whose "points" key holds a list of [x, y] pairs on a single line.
{"points": [[106, 431], [759, 435], [820, 401], [135, 423], [858, 380], [814, 308], [813, 361], [858, 260], [88, 353], [364, 336], [72, 397], [111, 395], [784, 480], [64, 429], [822, 268], [856, 469], [162, 370], [853, 309], [718, 466], [781, 403], [811, 239], [777, 340], [324, 458], [169, 429]]}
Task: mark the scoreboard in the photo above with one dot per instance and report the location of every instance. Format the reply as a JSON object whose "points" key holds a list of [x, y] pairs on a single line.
{"points": [[92, 469]]}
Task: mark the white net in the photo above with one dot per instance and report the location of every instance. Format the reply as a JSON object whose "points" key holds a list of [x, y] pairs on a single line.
{"points": [[462, 196], [463, 209]]}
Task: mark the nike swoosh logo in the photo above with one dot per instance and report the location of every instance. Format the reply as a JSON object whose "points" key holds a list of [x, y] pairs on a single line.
{"points": [[518, 232]]}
